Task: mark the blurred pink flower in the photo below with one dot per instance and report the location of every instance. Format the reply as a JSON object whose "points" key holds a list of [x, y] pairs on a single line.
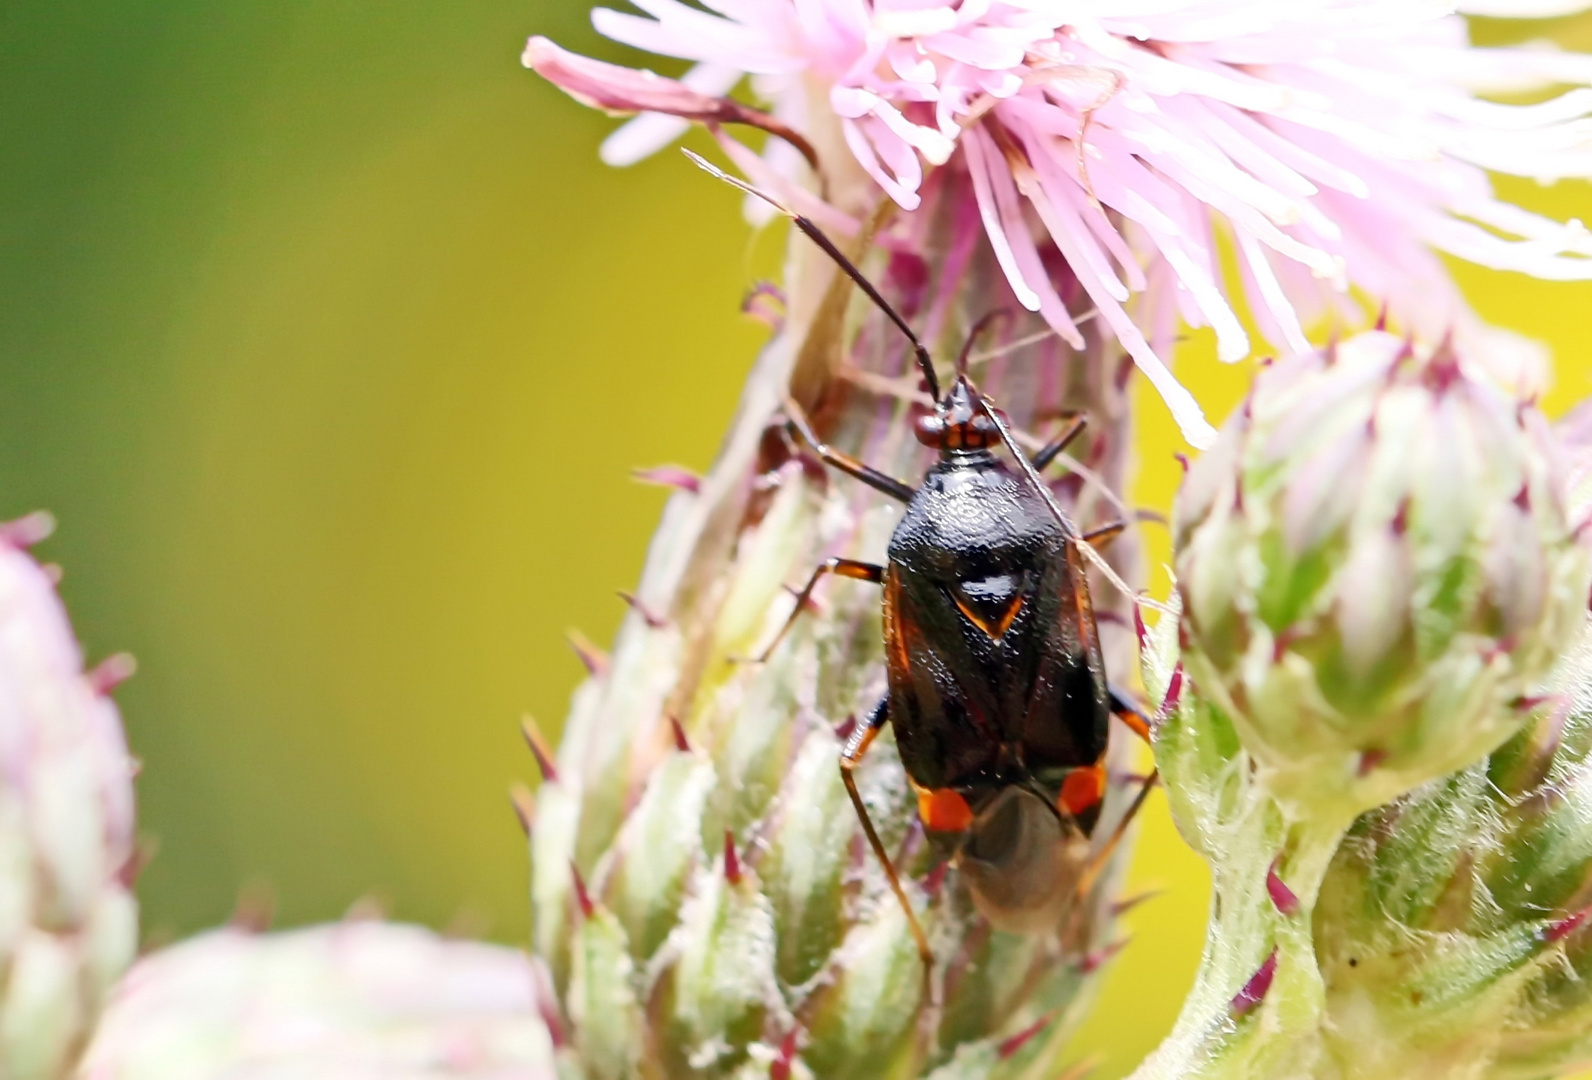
{"points": [[356, 1000], [1336, 144], [67, 857]]}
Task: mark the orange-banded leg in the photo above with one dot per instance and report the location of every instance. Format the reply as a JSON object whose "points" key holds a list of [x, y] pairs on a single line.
{"points": [[1084, 790], [851, 568], [1101, 536], [856, 746], [1124, 708], [799, 425], [875, 479], [1102, 855]]}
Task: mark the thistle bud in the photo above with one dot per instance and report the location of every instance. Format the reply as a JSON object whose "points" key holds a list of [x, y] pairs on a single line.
{"points": [[726, 916], [1451, 924], [1376, 567], [68, 921], [359, 998]]}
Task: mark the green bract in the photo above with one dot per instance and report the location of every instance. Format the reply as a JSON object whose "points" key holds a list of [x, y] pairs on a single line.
{"points": [[1450, 926], [1376, 569], [1451, 923], [1366, 496], [1443, 936]]}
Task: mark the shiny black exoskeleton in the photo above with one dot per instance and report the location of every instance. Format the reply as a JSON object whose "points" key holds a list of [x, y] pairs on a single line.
{"points": [[996, 678], [998, 693]]}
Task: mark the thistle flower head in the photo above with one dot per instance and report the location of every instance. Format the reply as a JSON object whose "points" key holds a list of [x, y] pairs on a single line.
{"points": [[1377, 568], [705, 896], [68, 922], [1439, 934], [1338, 143], [1451, 928], [350, 1001]]}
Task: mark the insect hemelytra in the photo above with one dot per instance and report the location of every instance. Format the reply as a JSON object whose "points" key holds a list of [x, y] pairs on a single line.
{"points": [[998, 693]]}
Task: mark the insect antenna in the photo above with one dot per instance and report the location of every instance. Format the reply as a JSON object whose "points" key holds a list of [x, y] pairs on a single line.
{"points": [[817, 236], [1069, 530], [1021, 343], [984, 323]]}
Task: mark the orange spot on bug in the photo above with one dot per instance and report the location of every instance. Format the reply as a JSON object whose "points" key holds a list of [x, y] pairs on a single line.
{"points": [[944, 810], [896, 628], [993, 628], [1083, 789]]}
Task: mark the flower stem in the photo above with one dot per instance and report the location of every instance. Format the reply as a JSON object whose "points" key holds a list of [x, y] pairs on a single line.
{"points": [[1258, 1000]]}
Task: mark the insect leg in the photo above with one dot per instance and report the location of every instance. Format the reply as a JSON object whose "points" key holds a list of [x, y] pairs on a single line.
{"points": [[1104, 534], [850, 757], [1097, 863], [1027, 467], [1129, 712], [985, 321], [849, 465], [851, 568], [1068, 528], [1055, 446]]}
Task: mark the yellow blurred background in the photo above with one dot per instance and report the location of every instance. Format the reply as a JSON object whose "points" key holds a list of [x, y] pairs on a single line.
{"points": [[331, 345]]}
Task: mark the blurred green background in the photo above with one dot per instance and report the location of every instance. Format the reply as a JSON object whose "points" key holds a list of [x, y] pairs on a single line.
{"points": [[331, 345]]}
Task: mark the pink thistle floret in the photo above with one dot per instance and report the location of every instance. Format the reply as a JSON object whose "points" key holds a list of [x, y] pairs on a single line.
{"points": [[1336, 144]]}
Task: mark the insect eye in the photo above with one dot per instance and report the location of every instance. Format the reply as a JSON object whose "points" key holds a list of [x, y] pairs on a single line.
{"points": [[929, 429]]}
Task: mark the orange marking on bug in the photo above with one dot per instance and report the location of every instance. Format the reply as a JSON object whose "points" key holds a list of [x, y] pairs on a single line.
{"points": [[997, 630], [944, 810], [1083, 789], [1083, 621], [1087, 632], [1135, 723], [895, 629], [862, 744]]}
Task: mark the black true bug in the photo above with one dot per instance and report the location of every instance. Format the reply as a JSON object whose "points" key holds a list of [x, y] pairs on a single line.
{"points": [[997, 689]]}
